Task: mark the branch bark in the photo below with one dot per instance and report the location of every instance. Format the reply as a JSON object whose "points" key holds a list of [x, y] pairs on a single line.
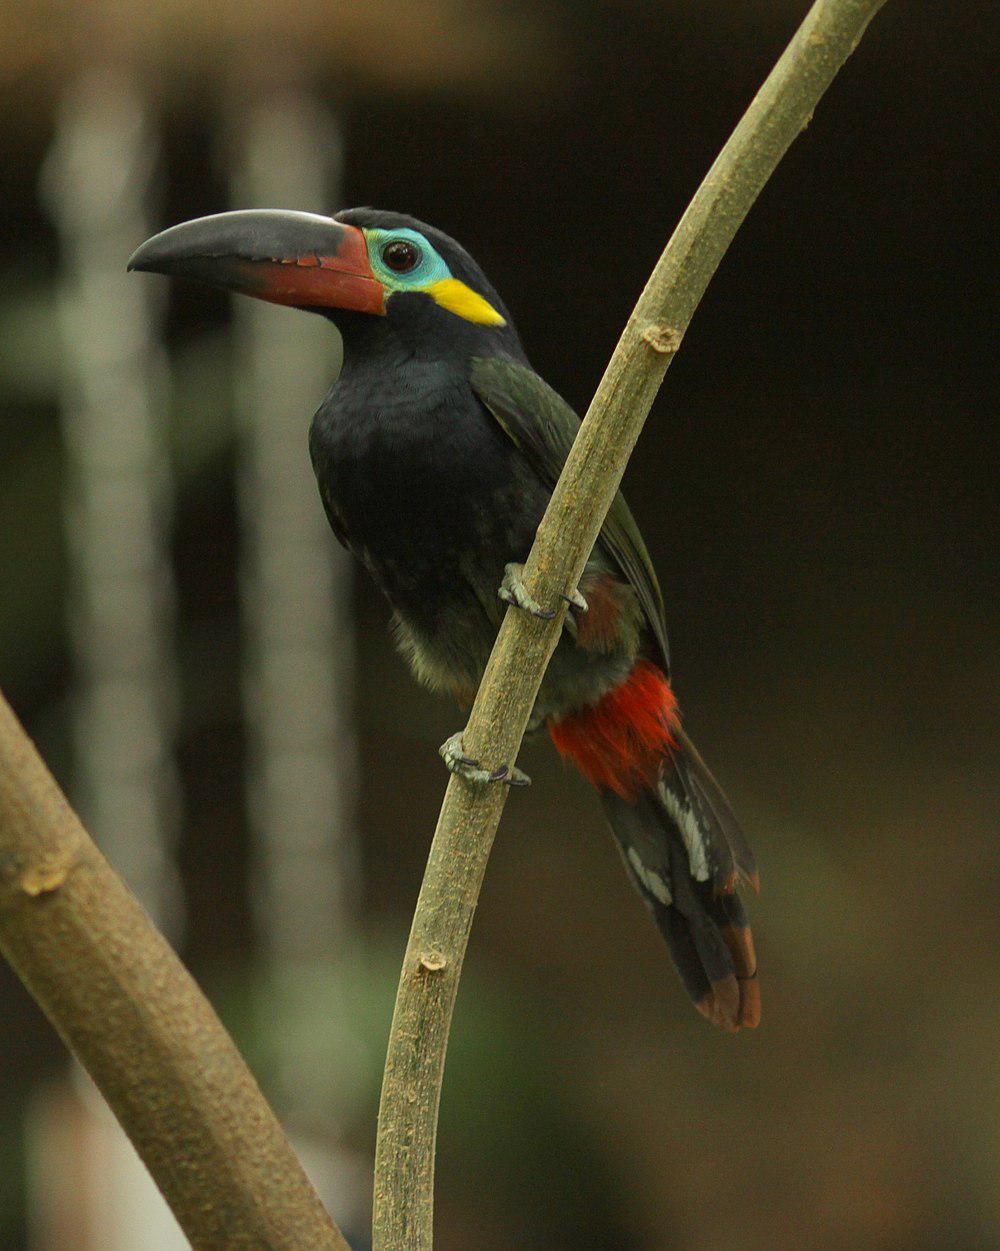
{"points": [[133, 1016], [404, 1158]]}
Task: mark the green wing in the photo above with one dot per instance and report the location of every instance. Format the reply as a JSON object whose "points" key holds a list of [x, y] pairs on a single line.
{"points": [[544, 426]]}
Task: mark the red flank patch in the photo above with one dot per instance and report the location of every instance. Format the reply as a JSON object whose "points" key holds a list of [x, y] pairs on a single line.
{"points": [[618, 743]]}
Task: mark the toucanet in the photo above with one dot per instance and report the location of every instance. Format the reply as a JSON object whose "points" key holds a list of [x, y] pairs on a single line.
{"points": [[436, 450]]}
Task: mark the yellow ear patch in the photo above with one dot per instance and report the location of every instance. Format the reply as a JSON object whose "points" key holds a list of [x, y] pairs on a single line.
{"points": [[457, 298]]}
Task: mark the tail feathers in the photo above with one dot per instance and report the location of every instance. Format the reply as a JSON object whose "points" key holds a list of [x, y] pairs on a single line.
{"points": [[730, 917], [677, 875], [694, 801]]}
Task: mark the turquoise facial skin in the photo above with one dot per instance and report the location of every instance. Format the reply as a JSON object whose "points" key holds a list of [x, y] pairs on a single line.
{"points": [[430, 269]]}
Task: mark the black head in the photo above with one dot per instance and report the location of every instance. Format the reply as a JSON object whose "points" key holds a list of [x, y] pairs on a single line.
{"points": [[379, 276]]}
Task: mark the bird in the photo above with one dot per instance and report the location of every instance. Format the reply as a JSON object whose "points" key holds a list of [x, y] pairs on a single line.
{"points": [[436, 450]]}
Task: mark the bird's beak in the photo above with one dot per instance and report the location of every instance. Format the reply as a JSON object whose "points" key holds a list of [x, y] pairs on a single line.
{"points": [[301, 259]]}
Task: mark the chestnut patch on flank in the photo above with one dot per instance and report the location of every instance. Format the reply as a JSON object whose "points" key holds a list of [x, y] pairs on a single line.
{"points": [[597, 628]]}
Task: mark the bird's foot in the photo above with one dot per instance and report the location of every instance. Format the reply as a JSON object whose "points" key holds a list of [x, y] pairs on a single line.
{"points": [[453, 754], [576, 600], [513, 591], [577, 604]]}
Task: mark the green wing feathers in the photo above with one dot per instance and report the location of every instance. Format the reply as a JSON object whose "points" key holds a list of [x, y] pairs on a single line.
{"points": [[544, 426]]}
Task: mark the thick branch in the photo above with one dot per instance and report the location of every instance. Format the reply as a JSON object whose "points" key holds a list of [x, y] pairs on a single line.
{"points": [[404, 1162], [132, 1015]]}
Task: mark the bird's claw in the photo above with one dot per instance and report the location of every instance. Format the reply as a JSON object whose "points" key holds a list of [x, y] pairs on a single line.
{"points": [[577, 604], [453, 754], [513, 591]]}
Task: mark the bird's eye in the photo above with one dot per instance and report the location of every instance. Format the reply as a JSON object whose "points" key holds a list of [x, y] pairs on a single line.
{"points": [[401, 256]]}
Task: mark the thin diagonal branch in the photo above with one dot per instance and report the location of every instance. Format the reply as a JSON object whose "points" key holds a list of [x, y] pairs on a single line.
{"points": [[404, 1162], [133, 1016]]}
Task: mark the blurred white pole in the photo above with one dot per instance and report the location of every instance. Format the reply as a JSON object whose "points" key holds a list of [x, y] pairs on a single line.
{"points": [[295, 579], [296, 587], [118, 490], [121, 604]]}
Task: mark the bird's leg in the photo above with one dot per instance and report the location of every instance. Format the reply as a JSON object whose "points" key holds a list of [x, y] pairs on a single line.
{"points": [[513, 591], [453, 754]]}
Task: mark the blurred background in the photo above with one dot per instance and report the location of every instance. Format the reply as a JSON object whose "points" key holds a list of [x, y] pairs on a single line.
{"points": [[218, 691]]}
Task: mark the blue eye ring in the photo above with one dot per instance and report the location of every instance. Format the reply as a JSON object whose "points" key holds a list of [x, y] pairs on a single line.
{"points": [[401, 256], [403, 260]]}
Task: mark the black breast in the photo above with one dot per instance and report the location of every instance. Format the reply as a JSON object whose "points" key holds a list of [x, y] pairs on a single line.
{"points": [[426, 487]]}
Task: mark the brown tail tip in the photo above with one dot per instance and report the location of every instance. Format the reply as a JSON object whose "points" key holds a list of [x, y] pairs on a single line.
{"points": [[749, 1002], [739, 940], [721, 1004], [732, 1004]]}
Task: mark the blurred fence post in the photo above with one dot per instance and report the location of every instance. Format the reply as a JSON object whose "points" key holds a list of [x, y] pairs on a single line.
{"points": [[96, 183], [296, 591]]}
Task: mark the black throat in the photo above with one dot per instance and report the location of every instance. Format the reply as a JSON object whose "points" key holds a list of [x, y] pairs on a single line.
{"points": [[413, 468]]}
